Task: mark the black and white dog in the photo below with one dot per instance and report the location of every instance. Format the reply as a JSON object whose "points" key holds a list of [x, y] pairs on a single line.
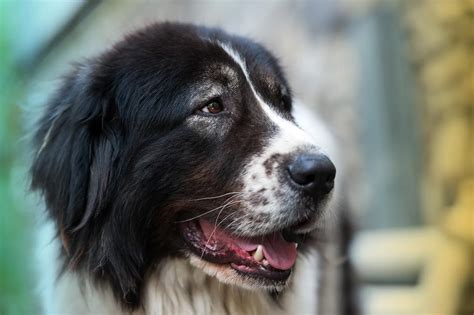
{"points": [[177, 181]]}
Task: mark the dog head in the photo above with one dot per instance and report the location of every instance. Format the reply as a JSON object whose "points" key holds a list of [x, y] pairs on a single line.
{"points": [[179, 142]]}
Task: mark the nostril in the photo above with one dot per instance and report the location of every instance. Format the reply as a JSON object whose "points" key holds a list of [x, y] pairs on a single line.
{"points": [[315, 172], [302, 171], [310, 179], [329, 185], [331, 174]]}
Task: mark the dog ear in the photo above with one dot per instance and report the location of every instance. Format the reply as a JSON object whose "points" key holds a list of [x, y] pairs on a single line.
{"points": [[76, 145], [77, 142]]}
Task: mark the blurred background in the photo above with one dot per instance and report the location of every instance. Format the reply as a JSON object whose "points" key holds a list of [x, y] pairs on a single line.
{"points": [[394, 80]]}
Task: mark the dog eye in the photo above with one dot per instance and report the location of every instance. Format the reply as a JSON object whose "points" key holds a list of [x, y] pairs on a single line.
{"points": [[213, 107]]}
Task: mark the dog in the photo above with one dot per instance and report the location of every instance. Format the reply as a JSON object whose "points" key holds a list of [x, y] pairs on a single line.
{"points": [[177, 181]]}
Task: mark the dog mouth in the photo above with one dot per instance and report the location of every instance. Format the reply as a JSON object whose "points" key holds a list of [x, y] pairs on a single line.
{"points": [[267, 257]]}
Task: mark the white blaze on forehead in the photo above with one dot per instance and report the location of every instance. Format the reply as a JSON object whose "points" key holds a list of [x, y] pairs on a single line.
{"points": [[289, 136]]}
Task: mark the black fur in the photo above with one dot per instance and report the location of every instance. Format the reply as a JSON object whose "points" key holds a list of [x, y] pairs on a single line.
{"points": [[116, 161]]}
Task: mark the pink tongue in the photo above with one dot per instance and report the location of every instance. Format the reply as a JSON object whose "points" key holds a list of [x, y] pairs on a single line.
{"points": [[279, 253]]}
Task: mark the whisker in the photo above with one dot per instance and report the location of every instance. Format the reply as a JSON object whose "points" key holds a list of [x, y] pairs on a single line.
{"points": [[217, 218], [215, 223], [236, 220], [207, 212], [215, 197], [227, 216]]}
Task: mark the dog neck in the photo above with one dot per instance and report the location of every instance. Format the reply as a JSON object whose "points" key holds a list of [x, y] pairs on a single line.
{"points": [[180, 288]]}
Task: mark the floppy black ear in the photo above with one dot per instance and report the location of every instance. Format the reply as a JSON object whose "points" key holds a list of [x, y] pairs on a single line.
{"points": [[75, 147]]}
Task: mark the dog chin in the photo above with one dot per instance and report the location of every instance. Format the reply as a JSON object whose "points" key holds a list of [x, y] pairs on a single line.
{"points": [[230, 276]]}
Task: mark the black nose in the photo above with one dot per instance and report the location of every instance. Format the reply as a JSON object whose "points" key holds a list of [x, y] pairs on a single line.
{"points": [[314, 173]]}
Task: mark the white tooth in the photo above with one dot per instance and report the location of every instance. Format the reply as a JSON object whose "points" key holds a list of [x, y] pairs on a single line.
{"points": [[258, 255], [296, 245], [265, 262]]}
